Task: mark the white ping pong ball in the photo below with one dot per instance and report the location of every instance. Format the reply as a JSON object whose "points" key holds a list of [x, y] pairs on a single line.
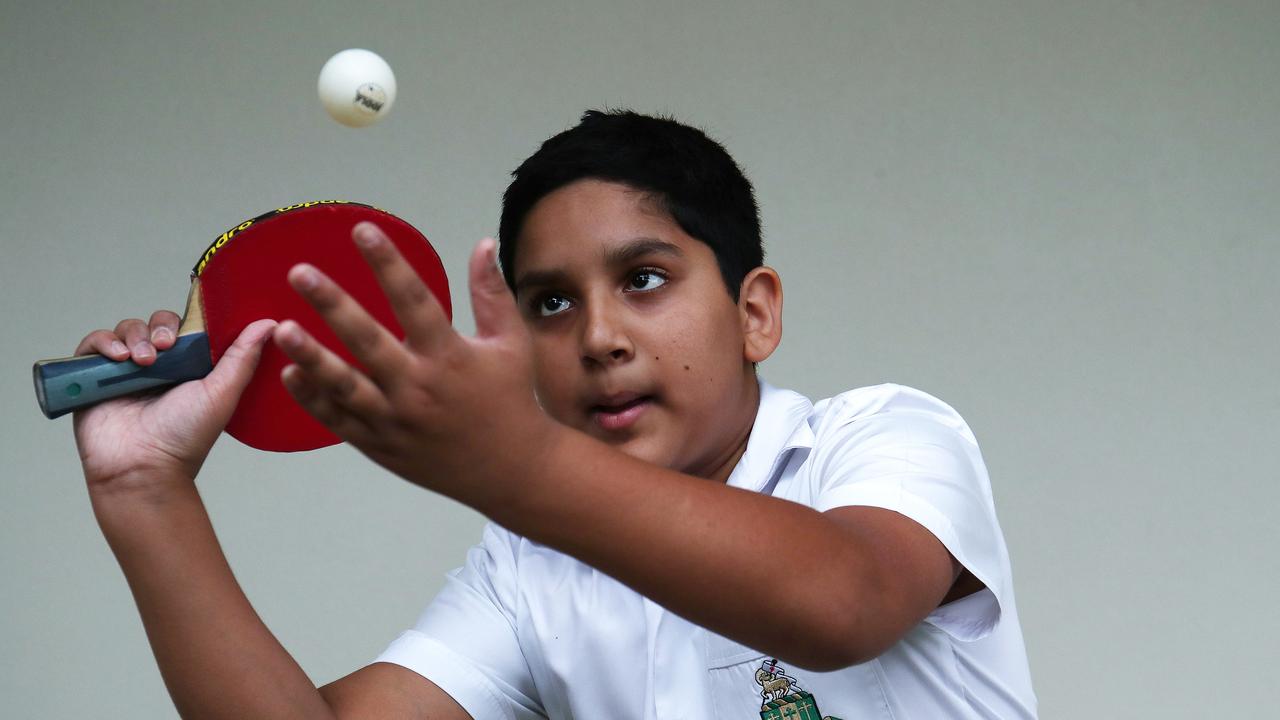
{"points": [[357, 87]]}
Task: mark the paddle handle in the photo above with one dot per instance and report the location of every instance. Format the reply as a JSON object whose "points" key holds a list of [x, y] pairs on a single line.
{"points": [[72, 383]]}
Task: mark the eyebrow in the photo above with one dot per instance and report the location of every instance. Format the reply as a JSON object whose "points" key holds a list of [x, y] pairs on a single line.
{"points": [[624, 254], [639, 247]]}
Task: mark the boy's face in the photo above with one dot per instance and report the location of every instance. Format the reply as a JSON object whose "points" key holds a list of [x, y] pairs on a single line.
{"points": [[636, 339]]}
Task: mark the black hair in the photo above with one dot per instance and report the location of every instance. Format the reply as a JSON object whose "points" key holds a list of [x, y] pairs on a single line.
{"points": [[690, 176]]}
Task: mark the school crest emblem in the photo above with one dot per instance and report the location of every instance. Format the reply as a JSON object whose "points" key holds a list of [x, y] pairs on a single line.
{"points": [[782, 696]]}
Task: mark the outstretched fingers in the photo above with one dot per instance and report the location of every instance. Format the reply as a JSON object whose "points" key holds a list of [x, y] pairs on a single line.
{"points": [[416, 308], [304, 389], [323, 383], [381, 353], [492, 303]]}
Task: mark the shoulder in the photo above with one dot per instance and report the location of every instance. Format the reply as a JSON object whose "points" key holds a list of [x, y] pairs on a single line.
{"points": [[889, 443], [856, 420], [886, 399], [886, 408]]}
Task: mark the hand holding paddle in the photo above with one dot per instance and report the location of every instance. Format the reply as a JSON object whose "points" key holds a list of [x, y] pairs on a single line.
{"points": [[239, 279], [136, 441]]}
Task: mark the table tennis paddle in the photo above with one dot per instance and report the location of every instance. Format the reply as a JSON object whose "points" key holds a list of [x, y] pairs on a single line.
{"points": [[240, 278]]}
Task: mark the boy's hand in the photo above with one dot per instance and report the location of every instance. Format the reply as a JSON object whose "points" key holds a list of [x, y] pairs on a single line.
{"points": [[131, 443], [438, 409]]}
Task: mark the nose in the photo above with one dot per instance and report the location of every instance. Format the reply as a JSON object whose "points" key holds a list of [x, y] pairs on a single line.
{"points": [[605, 340]]}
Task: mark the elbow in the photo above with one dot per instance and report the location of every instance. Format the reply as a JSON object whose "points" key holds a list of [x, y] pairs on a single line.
{"points": [[827, 659], [830, 648], [841, 641]]}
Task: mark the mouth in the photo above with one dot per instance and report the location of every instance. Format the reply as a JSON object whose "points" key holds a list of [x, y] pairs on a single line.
{"points": [[621, 411]]}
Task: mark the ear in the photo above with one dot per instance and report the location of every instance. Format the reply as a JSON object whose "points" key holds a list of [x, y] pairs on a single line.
{"points": [[760, 310]]}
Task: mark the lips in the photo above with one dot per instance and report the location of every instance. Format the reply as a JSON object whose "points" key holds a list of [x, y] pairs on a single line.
{"points": [[620, 411]]}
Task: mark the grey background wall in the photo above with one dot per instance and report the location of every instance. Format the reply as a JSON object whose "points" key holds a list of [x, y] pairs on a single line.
{"points": [[1059, 217]]}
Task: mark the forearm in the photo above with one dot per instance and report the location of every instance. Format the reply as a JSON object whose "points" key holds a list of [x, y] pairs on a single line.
{"points": [[217, 658], [720, 557]]}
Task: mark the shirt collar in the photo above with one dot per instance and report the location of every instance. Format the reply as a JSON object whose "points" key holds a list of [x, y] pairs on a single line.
{"points": [[781, 425]]}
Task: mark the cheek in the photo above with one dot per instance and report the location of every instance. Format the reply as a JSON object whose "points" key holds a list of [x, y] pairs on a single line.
{"points": [[707, 349], [552, 376]]}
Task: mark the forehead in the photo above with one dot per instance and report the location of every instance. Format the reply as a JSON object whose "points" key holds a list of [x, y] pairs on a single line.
{"points": [[587, 220]]}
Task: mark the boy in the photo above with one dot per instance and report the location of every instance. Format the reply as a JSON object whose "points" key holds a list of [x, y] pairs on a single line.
{"points": [[671, 536]]}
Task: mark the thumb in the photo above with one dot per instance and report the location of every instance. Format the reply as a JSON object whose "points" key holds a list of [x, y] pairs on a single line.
{"points": [[492, 305], [235, 367]]}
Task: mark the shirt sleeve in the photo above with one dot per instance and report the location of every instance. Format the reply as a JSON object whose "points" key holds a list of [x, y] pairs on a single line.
{"points": [[465, 641], [914, 455]]}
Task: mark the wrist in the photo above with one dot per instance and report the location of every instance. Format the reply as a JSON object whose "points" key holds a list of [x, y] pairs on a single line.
{"points": [[510, 477], [125, 500]]}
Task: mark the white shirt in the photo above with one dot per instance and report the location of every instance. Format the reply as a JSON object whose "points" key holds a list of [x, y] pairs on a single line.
{"points": [[524, 631]]}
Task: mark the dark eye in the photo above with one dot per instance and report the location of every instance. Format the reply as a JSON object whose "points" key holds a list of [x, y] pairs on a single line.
{"points": [[551, 305], [646, 280]]}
